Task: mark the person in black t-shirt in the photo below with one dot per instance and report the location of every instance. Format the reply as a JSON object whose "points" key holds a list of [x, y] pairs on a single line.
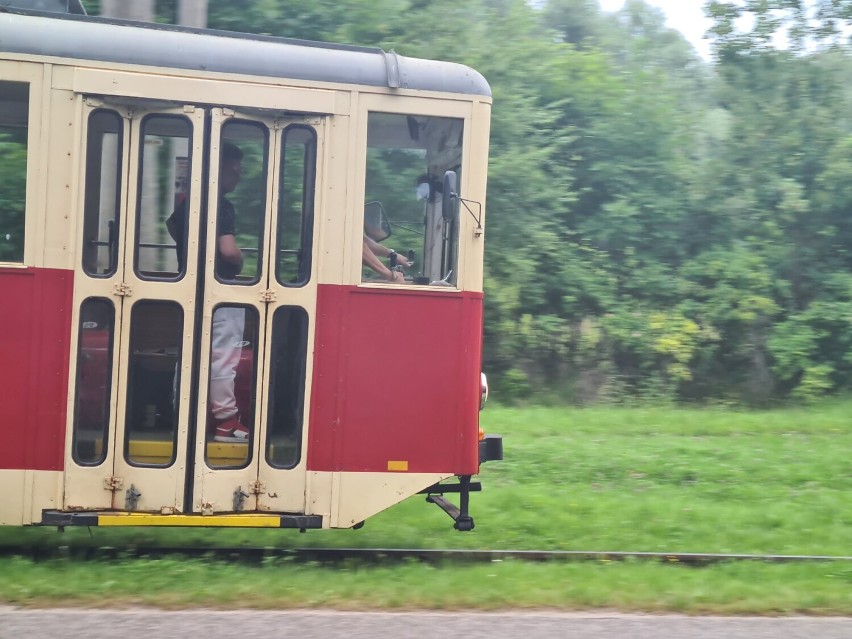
{"points": [[229, 259]]}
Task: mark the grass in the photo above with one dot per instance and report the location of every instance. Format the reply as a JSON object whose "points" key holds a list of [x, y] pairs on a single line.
{"points": [[631, 586], [673, 480]]}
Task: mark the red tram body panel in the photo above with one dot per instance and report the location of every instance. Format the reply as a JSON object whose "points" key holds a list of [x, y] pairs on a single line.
{"points": [[366, 367], [35, 329]]}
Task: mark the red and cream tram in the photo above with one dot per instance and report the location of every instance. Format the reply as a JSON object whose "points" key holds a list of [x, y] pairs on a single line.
{"points": [[203, 321]]}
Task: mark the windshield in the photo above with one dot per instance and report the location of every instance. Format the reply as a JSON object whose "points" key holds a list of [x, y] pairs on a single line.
{"points": [[407, 157]]}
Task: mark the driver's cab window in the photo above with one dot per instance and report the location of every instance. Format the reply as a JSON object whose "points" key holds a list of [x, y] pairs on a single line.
{"points": [[407, 239]]}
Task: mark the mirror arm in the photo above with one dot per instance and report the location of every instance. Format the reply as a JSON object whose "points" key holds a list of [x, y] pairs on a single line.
{"points": [[476, 216]]}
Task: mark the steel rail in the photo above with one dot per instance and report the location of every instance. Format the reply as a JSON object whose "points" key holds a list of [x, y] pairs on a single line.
{"points": [[388, 555]]}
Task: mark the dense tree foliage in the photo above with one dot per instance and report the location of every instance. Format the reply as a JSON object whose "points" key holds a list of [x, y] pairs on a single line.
{"points": [[659, 226]]}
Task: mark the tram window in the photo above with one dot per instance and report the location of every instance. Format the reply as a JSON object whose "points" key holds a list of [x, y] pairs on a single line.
{"points": [[296, 205], [14, 119], [244, 193], [407, 157], [94, 381], [231, 388], [165, 166], [156, 336], [287, 386], [103, 192]]}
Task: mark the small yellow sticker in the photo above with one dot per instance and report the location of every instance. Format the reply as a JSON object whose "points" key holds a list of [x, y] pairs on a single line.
{"points": [[398, 465]]}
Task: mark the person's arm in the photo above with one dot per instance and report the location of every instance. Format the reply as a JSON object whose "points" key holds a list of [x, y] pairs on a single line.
{"points": [[229, 251], [384, 251], [370, 260], [171, 227]]}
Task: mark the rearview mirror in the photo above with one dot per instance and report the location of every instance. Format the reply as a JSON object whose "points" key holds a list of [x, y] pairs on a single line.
{"points": [[376, 224], [449, 196]]}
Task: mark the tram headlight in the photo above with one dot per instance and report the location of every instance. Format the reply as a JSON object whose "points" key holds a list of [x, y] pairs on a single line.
{"points": [[483, 390]]}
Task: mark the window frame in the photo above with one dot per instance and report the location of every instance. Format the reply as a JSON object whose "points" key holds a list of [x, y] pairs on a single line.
{"points": [[131, 389], [118, 230], [31, 74], [135, 265], [107, 400], [267, 169], [408, 106], [307, 231]]}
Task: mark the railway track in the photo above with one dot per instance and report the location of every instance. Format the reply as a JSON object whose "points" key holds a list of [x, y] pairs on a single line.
{"points": [[390, 555]]}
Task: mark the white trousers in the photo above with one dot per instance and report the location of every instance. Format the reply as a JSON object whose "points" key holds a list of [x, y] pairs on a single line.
{"points": [[226, 349]]}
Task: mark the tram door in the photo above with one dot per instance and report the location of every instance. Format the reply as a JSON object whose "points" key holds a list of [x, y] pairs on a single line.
{"points": [[134, 308], [170, 412], [256, 324]]}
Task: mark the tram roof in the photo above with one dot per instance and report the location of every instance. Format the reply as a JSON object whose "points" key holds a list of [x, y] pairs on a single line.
{"points": [[168, 46]]}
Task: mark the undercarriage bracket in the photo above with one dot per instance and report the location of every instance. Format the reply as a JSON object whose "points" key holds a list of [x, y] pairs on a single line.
{"points": [[459, 514]]}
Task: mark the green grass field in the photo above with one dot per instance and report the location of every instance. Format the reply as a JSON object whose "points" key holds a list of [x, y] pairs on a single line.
{"points": [[605, 479]]}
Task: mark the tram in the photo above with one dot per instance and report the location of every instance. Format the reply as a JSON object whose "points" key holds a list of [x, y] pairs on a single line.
{"points": [[203, 321]]}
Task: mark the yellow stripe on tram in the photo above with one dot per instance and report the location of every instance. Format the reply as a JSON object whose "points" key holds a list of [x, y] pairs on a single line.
{"points": [[153, 519], [160, 452]]}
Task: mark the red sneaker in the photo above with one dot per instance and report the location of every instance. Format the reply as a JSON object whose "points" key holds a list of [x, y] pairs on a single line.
{"points": [[231, 430]]}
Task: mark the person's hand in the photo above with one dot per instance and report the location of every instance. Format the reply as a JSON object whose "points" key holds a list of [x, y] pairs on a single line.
{"points": [[397, 277], [397, 259]]}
